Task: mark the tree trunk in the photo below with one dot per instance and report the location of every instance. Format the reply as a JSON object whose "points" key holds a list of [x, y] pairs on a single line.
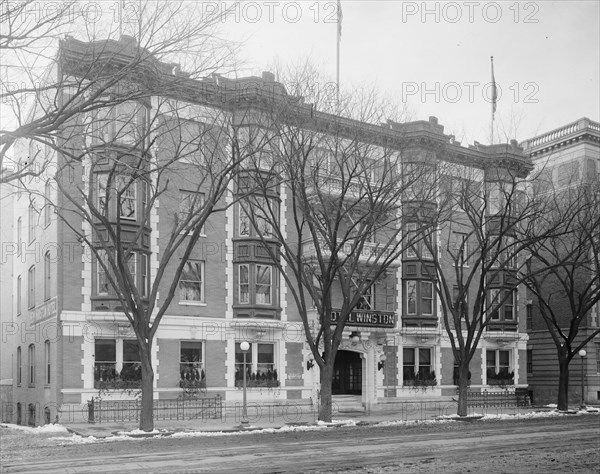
{"points": [[563, 384], [325, 410], [463, 387], [147, 412]]}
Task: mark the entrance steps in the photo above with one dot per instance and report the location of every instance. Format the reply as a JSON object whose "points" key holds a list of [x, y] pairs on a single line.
{"points": [[347, 404]]}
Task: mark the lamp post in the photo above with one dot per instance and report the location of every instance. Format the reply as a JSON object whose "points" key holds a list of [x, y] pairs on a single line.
{"points": [[244, 346], [582, 354]]}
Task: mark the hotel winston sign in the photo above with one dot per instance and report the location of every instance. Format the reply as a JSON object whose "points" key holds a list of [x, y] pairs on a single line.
{"points": [[367, 318]]}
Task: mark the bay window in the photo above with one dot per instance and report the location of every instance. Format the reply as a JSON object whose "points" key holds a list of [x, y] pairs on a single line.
{"points": [[427, 298], [127, 193], [102, 282], [263, 284], [244, 284], [502, 304], [256, 284], [419, 297], [255, 218]]}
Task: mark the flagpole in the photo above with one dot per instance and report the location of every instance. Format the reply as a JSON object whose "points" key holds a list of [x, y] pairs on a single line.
{"points": [[339, 40], [494, 98]]}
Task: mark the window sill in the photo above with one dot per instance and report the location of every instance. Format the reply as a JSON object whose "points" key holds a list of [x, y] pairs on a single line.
{"points": [[192, 303]]}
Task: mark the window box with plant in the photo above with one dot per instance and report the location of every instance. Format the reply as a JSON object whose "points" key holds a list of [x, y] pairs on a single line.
{"points": [[501, 378], [423, 378], [267, 379]]}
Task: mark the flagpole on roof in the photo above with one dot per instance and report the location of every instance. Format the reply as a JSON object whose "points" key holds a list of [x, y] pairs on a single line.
{"points": [[494, 99], [339, 40]]}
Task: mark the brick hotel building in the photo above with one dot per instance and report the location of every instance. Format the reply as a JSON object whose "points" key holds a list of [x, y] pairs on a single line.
{"points": [[66, 329]]}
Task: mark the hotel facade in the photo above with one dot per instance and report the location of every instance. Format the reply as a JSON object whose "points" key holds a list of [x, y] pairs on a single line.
{"points": [[70, 337]]}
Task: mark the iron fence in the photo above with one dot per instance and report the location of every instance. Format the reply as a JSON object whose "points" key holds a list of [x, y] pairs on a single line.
{"points": [[518, 398], [104, 411]]}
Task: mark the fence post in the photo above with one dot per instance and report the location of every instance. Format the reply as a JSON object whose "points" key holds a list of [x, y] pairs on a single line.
{"points": [[91, 411]]}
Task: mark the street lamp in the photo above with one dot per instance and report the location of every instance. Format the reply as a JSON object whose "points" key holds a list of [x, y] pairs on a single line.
{"points": [[244, 346], [582, 354]]}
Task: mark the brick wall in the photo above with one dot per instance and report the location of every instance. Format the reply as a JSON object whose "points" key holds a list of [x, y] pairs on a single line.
{"points": [[215, 363], [72, 363], [168, 367]]}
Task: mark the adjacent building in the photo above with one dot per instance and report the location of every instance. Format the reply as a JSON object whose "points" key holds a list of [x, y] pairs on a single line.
{"points": [[567, 157]]}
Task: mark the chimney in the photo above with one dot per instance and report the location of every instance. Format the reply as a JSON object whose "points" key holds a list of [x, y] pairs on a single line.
{"points": [[268, 76]]}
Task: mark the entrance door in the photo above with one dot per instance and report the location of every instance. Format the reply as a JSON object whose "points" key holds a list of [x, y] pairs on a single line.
{"points": [[347, 374]]}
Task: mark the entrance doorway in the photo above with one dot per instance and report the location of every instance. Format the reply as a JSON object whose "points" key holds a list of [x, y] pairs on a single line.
{"points": [[347, 374]]}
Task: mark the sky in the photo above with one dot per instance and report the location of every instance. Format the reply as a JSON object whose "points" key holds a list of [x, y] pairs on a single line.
{"points": [[435, 57], [431, 58]]}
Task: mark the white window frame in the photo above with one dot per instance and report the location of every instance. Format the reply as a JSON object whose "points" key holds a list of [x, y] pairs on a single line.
{"points": [[102, 254], [197, 365], [190, 149], [202, 300], [465, 301], [513, 303], [257, 267], [497, 359], [417, 365], [186, 200], [145, 274], [411, 234], [246, 284], [119, 353], [102, 195], [416, 297], [424, 283], [129, 195], [252, 355], [494, 297], [461, 239]]}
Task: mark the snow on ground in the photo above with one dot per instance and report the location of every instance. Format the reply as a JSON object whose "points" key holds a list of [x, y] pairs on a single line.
{"points": [[45, 429], [50, 430]]}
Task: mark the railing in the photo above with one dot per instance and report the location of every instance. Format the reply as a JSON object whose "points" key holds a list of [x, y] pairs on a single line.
{"points": [[369, 252], [518, 398], [118, 411], [584, 124]]}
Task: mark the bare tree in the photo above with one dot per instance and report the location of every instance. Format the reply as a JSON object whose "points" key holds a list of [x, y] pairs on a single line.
{"points": [[469, 247], [563, 270], [341, 183], [183, 35]]}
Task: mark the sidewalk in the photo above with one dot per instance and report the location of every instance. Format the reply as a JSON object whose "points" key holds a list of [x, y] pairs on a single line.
{"points": [[231, 423]]}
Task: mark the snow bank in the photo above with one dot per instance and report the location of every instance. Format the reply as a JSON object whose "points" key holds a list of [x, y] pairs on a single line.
{"points": [[38, 429]]}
